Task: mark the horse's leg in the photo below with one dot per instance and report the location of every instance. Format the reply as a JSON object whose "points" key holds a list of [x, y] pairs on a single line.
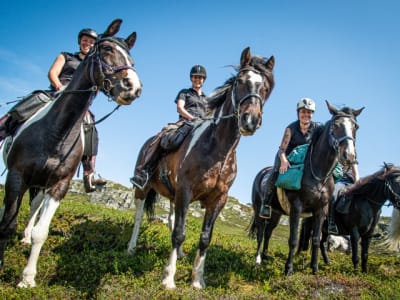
{"points": [[260, 225], [269, 228], [318, 219], [324, 243], [295, 211], [36, 204], [139, 204], [171, 221], [365, 242], [354, 238], [177, 237], [211, 214], [14, 191], [305, 235], [39, 235]]}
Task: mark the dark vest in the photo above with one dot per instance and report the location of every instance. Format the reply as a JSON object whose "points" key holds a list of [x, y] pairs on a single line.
{"points": [[72, 62], [297, 137]]}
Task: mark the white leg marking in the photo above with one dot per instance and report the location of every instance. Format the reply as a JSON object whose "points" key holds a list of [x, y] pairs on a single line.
{"points": [[170, 270], [198, 271], [136, 227], [39, 235], [36, 205]]}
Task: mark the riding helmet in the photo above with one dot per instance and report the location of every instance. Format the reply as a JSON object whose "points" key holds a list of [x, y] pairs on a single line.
{"points": [[306, 103], [89, 32], [199, 71]]}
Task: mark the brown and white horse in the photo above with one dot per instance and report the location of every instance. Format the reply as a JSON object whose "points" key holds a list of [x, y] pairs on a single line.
{"points": [[47, 150], [204, 167]]}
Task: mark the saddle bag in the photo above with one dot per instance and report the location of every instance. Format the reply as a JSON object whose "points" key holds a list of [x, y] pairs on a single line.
{"points": [[291, 179], [29, 105]]}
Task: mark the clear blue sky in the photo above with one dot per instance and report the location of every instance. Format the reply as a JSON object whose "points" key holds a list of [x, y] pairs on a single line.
{"points": [[344, 51]]}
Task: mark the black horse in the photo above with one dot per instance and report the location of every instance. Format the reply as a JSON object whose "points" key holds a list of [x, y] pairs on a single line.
{"points": [[360, 212], [336, 142], [204, 166], [47, 149]]}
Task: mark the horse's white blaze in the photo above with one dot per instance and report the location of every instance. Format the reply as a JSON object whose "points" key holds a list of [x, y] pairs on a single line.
{"points": [[132, 75], [39, 235], [139, 204], [351, 151], [255, 78], [198, 271], [170, 270]]}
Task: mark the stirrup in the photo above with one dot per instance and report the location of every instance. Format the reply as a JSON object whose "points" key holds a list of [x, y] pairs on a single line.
{"points": [[136, 184], [265, 216]]}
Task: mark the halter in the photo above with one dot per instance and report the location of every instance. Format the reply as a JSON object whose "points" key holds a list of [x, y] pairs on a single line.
{"points": [[334, 142]]}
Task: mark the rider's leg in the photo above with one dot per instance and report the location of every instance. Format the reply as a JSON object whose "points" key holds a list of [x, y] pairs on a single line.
{"points": [[3, 126], [145, 164], [89, 182], [265, 209]]}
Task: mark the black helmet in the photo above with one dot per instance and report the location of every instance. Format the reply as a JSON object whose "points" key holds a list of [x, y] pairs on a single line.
{"points": [[199, 71], [87, 31]]}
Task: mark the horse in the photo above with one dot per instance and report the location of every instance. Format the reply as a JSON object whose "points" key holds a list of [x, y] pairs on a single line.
{"points": [[364, 201], [47, 149], [392, 240], [334, 142], [204, 167]]}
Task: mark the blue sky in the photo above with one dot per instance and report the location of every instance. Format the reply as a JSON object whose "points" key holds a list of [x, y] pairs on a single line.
{"points": [[346, 52]]}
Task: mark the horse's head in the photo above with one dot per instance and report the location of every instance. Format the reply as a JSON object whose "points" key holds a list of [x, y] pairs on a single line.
{"points": [[343, 127], [115, 76], [253, 84]]}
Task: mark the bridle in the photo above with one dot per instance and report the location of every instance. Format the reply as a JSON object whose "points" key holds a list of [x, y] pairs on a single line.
{"points": [[105, 69], [334, 142], [391, 194]]}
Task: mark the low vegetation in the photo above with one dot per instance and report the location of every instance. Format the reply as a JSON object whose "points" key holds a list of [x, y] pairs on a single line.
{"points": [[85, 257]]}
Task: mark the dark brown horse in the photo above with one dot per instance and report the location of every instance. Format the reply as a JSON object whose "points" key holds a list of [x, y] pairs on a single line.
{"points": [[48, 148], [364, 201], [335, 143], [204, 167]]}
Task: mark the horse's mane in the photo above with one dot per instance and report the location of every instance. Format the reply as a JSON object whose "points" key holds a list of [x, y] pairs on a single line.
{"points": [[363, 186]]}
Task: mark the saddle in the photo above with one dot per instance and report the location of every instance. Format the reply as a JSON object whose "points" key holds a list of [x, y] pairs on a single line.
{"points": [[174, 134]]}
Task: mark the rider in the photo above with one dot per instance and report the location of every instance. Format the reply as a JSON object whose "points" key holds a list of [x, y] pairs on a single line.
{"points": [[60, 74], [191, 104], [297, 133]]}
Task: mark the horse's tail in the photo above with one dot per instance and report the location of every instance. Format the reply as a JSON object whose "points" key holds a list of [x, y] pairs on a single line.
{"points": [[149, 203], [392, 242]]}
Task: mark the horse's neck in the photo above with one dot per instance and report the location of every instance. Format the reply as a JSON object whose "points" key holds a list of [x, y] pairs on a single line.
{"points": [[70, 106], [322, 157], [226, 125]]}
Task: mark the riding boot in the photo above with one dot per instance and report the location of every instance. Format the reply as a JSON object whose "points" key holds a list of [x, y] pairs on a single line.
{"points": [[87, 183], [145, 163], [265, 209]]}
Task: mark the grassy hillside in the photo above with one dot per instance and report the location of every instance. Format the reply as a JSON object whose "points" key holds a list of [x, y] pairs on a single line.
{"points": [[85, 257]]}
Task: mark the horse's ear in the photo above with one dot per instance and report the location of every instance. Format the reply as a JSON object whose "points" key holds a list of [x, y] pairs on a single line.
{"points": [[331, 108], [113, 28], [130, 40], [270, 63], [358, 111], [245, 59]]}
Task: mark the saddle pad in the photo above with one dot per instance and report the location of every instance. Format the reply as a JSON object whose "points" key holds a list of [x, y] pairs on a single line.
{"points": [[285, 204]]}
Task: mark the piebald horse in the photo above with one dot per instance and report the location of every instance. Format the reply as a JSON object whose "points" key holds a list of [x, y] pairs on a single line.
{"points": [[204, 167], [47, 149], [335, 143]]}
